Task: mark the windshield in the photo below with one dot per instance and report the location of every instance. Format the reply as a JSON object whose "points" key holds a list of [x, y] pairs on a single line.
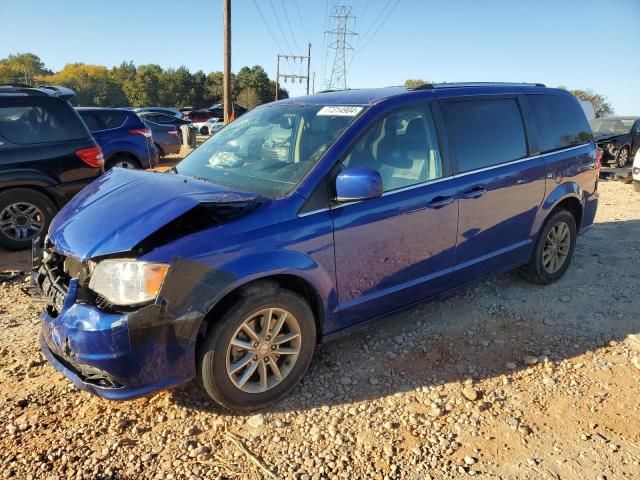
{"points": [[270, 149], [616, 126]]}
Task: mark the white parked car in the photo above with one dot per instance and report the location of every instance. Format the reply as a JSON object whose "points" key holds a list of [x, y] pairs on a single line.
{"points": [[636, 171], [211, 126]]}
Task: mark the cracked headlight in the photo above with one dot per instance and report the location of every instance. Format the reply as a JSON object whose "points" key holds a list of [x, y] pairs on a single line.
{"points": [[127, 282]]}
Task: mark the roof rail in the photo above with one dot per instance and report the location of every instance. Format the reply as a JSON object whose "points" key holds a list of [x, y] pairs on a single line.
{"points": [[62, 93], [429, 86]]}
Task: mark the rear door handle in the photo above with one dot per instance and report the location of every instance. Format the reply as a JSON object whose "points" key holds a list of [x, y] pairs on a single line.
{"points": [[474, 192], [440, 201]]}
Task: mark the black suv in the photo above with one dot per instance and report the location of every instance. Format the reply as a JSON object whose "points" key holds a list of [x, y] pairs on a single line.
{"points": [[47, 155]]}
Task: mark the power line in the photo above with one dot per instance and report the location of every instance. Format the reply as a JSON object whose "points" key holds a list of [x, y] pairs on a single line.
{"points": [[364, 35], [302, 21], [286, 16], [267, 25], [280, 27], [379, 27]]}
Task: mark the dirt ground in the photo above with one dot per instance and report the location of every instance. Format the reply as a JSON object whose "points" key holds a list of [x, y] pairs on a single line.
{"points": [[504, 380]]}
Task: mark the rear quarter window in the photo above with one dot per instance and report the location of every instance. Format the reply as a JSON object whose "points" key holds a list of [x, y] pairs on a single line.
{"points": [[485, 132], [560, 122], [112, 119], [32, 120]]}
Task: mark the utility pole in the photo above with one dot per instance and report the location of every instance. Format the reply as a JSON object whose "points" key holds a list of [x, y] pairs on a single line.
{"points": [[342, 15], [291, 76], [226, 76]]}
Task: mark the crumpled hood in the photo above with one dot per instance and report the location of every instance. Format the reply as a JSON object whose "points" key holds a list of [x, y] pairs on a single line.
{"points": [[123, 207], [602, 136]]}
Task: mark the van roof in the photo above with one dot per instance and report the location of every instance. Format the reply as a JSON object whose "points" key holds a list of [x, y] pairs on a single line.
{"points": [[369, 96]]}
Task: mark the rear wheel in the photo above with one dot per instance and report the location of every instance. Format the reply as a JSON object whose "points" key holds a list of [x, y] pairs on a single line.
{"points": [[622, 157], [258, 351], [123, 161], [160, 152], [554, 249], [24, 215], [204, 131]]}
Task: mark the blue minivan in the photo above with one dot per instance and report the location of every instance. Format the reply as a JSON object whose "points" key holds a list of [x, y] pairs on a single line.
{"points": [[302, 219]]}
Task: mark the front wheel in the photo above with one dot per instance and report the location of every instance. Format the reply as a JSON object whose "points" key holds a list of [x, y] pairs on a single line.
{"points": [[24, 215], [554, 249], [259, 350], [204, 131], [622, 157]]}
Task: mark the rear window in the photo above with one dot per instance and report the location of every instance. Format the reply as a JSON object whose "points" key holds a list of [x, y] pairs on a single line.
{"points": [[486, 132], [111, 119], [29, 120], [560, 121]]}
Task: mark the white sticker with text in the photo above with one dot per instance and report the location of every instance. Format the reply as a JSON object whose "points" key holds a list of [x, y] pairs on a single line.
{"points": [[340, 110]]}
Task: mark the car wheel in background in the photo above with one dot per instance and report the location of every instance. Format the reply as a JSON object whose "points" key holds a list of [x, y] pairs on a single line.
{"points": [[622, 157], [160, 152], [204, 131], [24, 214], [554, 249], [123, 161], [258, 350]]}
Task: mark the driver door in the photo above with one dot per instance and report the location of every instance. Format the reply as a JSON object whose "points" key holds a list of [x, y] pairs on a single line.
{"points": [[399, 248]]}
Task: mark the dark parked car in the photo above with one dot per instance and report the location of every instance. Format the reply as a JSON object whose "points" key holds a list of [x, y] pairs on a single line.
{"points": [[168, 110], [165, 119], [47, 155], [165, 137], [302, 219], [125, 140], [198, 116], [618, 137], [218, 110]]}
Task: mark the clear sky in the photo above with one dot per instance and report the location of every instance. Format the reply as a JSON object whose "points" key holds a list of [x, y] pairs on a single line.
{"points": [[576, 43]]}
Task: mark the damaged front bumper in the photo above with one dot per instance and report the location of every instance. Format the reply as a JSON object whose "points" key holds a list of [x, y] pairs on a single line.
{"points": [[118, 355], [99, 353]]}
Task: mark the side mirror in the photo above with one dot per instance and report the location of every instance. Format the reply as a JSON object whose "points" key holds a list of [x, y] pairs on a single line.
{"points": [[358, 183]]}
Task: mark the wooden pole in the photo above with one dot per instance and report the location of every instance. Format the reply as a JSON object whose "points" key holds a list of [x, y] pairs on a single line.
{"points": [[277, 75], [308, 67], [226, 82]]}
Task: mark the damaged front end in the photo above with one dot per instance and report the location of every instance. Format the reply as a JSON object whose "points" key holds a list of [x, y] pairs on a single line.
{"points": [[120, 351]]}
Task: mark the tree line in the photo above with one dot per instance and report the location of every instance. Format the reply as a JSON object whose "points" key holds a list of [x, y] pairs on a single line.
{"points": [[600, 103], [142, 85]]}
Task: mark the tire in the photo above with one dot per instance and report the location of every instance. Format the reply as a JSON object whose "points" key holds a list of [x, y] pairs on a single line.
{"points": [[204, 131], [121, 161], [215, 349], [622, 157], [13, 225], [160, 152], [535, 271]]}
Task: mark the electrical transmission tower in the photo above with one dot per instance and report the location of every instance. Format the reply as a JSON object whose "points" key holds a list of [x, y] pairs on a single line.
{"points": [[342, 16]]}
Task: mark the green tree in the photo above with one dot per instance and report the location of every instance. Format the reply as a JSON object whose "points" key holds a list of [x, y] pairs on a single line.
{"points": [[600, 104], [22, 68], [414, 82], [91, 83]]}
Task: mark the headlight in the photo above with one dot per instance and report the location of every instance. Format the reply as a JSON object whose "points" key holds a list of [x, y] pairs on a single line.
{"points": [[128, 282]]}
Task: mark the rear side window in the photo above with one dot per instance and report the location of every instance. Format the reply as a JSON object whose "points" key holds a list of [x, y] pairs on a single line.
{"points": [[90, 121], [30, 120], [112, 119], [165, 119], [485, 132], [560, 121]]}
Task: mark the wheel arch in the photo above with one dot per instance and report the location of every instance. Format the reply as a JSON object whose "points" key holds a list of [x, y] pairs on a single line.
{"points": [[288, 281], [569, 196]]}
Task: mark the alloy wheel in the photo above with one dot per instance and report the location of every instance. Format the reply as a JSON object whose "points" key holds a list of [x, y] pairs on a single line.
{"points": [[125, 164], [21, 221], [263, 350], [556, 247], [623, 157]]}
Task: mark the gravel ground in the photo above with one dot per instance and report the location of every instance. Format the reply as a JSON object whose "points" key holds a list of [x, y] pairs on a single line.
{"points": [[504, 380]]}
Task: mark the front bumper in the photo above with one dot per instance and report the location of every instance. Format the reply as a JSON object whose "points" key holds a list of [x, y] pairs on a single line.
{"points": [[99, 353]]}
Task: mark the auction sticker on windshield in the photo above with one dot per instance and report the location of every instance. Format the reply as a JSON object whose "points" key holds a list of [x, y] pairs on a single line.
{"points": [[340, 110]]}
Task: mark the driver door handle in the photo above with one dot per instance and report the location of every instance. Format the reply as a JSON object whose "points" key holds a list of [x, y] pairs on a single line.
{"points": [[440, 201], [474, 192]]}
